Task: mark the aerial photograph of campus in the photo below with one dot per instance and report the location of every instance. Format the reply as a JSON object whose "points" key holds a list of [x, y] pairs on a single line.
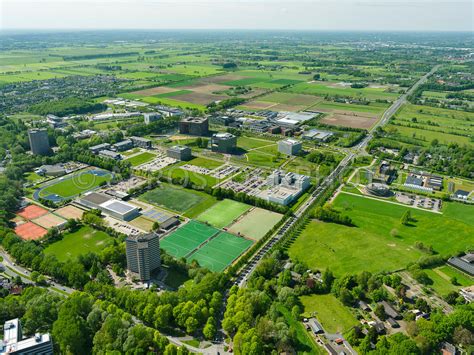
{"points": [[237, 177]]}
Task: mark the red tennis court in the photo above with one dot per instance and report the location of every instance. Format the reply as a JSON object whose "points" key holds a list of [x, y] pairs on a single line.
{"points": [[30, 231], [32, 212]]}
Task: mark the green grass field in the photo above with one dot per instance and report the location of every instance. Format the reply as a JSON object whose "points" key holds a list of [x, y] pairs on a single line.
{"points": [[441, 277], [175, 172], [189, 202], [332, 314], [220, 251], [256, 223], [370, 246], [74, 184], [187, 238], [205, 163], [141, 158], [324, 89], [84, 240], [223, 213]]}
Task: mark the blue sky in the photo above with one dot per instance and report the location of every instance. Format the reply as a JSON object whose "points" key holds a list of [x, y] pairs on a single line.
{"points": [[400, 15]]}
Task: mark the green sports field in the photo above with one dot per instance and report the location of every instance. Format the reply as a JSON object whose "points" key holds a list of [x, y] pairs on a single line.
{"points": [[84, 240], [256, 223], [189, 202], [223, 213], [72, 184], [220, 251], [187, 238], [141, 158], [370, 246]]}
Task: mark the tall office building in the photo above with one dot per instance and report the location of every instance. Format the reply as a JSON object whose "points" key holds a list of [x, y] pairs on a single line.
{"points": [[39, 142], [289, 146], [14, 343], [196, 126], [223, 143], [143, 254]]}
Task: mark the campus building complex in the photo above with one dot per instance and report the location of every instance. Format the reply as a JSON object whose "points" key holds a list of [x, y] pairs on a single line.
{"points": [[39, 141], [285, 188], [13, 342], [143, 254], [196, 126]]}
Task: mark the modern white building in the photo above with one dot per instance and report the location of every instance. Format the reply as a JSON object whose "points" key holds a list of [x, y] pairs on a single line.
{"points": [[285, 188], [117, 209], [289, 146]]}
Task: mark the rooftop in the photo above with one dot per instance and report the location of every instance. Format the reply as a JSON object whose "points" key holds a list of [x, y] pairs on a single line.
{"points": [[96, 198], [118, 206], [223, 135]]}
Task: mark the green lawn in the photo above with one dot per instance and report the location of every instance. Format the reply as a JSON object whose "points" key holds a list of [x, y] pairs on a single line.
{"points": [[223, 213], [332, 314], [84, 240], [369, 246], [141, 158], [205, 163], [175, 172]]}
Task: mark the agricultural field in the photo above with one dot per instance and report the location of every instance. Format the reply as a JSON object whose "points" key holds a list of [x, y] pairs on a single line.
{"points": [[82, 241], [334, 89], [330, 312], [72, 185], [424, 124], [370, 243], [223, 213]]}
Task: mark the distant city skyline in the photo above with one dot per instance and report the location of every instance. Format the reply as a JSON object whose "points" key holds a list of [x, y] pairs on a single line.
{"points": [[362, 15]]}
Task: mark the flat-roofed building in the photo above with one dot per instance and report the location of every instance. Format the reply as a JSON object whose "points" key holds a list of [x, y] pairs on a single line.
{"points": [[223, 143], [141, 142], [110, 154], [196, 126], [14, 343], [289, 146], [285, 188], [150, 117], [143, 254], [112, 207], [317, 135], [97, 148], [179, 152], [120, 209], [123, 145], [39, 141]]}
